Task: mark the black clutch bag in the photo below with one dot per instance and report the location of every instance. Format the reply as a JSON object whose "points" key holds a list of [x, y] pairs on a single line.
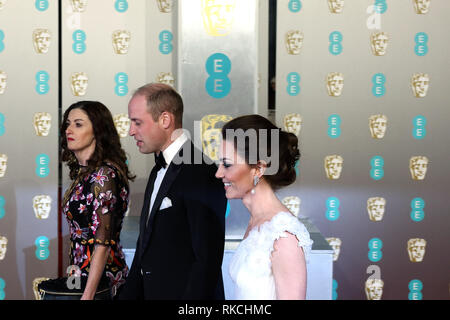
{"points": [[63, 289]]}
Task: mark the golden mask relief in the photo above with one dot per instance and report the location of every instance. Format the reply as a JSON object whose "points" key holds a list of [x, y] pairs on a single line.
{"points": [[218, 16], [3, 81], [41, 40], [420, 83], [79, 83], [333, 166], [418, 166], [211, 127], [378, 126], [42, 122], [121, 41], [416, 249], [335, 84]]}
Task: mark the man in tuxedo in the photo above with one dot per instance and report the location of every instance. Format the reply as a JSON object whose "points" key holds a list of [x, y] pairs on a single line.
{"points": [[182, 227]]}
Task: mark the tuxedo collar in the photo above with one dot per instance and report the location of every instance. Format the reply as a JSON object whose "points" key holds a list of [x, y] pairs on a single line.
{"points": [[172, 150]]}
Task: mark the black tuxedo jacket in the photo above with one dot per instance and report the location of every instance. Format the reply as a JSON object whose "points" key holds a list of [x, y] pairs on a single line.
{"points": [[179, 253]]}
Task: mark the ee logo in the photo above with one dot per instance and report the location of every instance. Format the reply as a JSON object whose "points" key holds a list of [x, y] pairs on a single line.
{"points": [[2, 124], [378, 89], [121, 80], [2, 289], [297, 167], [417, 213], [2, 43], [293, 80], [380, 6], [377, 171], [295, 5], [42, 162], [415, 290], [419, 131], [227, 212], [42, 86], [335, 47], [79, 38], [421, 47], [2, 207], [165, 47], [41, 5], [375, 246], [218, 66], [334, 293], [333, 204], [121, 5], [42, 251], [334, 126]]}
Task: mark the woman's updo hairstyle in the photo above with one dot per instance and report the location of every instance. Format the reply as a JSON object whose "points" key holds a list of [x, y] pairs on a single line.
{"points": [[288, 147]]}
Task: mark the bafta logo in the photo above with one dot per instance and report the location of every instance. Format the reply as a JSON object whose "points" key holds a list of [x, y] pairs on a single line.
{"points": [[335, 84], [294, 41], [121, 41], [3, 164], [422, 6], [79, 83], [379, 43], [418, 166], [416, 249], [293, 123], [3, 247], [420, 83], [374, 289], [2, 4], [42, 123], [165, 6], [375, 208], [36, 282], [293, 204], [377, 126], [218, 16], [42, 205], [211, 126], [336, 244], [336, 6], [166, 78], [41, 40], [3, 78], [122, 124], [78, 5], [333, 166]]}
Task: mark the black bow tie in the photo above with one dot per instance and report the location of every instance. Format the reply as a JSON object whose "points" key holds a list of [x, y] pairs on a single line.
{"points": [[160, 161]]}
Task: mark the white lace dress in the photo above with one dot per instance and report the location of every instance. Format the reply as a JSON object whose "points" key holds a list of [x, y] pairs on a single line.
{"points": [[251, 267]]}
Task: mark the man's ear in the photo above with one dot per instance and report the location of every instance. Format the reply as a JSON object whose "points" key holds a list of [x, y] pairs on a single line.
{"points": [[166, 120]]}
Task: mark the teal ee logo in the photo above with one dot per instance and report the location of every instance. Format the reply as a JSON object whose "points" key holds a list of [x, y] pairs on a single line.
{"points": [[295, 6], [335, 47], [121, 5], [121, 80], [332, 212], [334, 293], [227, 212], [297, 168], [2, 38], [293, 81], [42, 86], [377, 171], [378, 88], [79, 38], [334, 126], [2, 289], [42, 252], [415, 290], [2, 124], [41, 5], [42, 168], [421, 47], [380, 6], [419, 131], [375, 246], [417, 213], [2, 207], [218, 66], [165, 37]]}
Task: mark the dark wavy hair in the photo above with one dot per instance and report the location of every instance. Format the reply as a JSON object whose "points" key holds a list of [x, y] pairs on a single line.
{"points": [[288, 147], [107, 141]]}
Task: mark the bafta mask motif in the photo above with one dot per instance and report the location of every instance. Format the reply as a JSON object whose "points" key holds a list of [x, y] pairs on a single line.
{"points": [[166, 78], [422, 6], [211, 134], [36, 282], [333, 166], [3, 78], [3, 247], [377, 126], [293, 204], [79, 83], [293, 123], [418, 166], [420, 83], [218, 16], [122, 123], [42, 123], [3, 164], [2, 4], [42, 204], [78, 5], [335, 84], [375, 208], [416, 249], [121, 41], [336, 6], [335, 243], [165, 6], [294, 41], [379, 43], [374, 289], [41, 40]]}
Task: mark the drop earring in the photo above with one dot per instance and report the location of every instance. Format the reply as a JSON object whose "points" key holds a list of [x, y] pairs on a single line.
{"points": [[255, 182]]}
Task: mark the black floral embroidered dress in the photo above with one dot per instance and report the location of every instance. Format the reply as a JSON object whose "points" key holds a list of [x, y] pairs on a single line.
{"points": [[94, 210]]}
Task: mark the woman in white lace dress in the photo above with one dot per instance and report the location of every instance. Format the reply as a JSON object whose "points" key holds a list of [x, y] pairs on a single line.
{"points": [[270, 262]]}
